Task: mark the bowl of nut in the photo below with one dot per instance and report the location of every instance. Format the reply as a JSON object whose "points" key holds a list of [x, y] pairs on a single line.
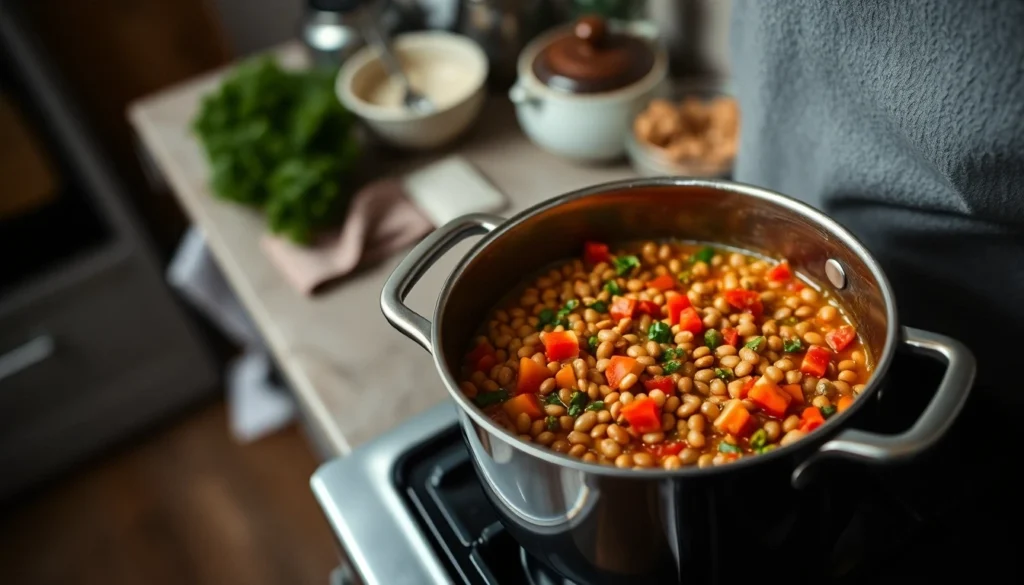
{"points": [[695, 134]]}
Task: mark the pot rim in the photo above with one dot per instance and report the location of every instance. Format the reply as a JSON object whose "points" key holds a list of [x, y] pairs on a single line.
{"points": [[524, 72], [832, 426]]}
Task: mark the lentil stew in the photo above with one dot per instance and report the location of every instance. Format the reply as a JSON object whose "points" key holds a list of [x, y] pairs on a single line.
{"points": [[665, 354]]}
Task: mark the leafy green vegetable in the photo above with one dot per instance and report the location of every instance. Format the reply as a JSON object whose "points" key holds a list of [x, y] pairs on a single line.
{"points": [[791, 345], [553, 399], [592, 343], [755, 344], [705, 254], [660, 332], [712, 338], [767, 449], [673, 353], [280, 140], [723, 373], [758, 439], [569, 307], [485, 399], [613, 288], [545, 317], [625, 264], [576, 403], [599, 306], [827, 411], [671, 367], [552, 422], [724, 447], [596, 405]]}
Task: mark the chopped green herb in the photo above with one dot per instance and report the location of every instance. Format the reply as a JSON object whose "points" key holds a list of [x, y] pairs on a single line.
{"points": [[599, 306], [553, 399], [545, 317], [576, 403], [767, 449], [827, 411], [673, 353], [755, 344], [671, 367], [790, 321], [552, 422], [625, 264], [792, 345], [596, 405], [660, 332], [758, 439], [592, 343], [712, 338], [685, 277], [485, 399], [613, 288], [723, 373], [561, 317], [705, 254], [724, 447]]}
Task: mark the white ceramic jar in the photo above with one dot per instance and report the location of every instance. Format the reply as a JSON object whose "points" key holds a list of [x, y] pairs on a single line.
{"points": [[579, 88]]}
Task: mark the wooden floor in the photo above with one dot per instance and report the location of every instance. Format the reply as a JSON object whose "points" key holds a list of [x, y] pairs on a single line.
{"points": [[186, 505]]}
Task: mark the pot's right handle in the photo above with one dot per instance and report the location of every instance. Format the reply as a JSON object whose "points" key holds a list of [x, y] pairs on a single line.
{"points": [[413, 266], [936, 419]]}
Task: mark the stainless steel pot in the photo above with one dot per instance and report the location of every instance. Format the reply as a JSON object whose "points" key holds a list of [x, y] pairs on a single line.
{"points": [[599, 524]]}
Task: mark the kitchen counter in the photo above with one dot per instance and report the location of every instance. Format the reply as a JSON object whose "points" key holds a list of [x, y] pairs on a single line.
{"points": [[353, 375]]}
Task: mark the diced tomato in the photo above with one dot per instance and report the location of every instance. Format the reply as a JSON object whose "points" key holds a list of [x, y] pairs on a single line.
{"points": [[485, 363], [566, 377], [528, 403], [745, 389], [676, 304], [780, 272], [481, 351], [773, 400], [811, 419], [595, 253], [796, 391], [690, 321], [648, 308], [622, 308], [795, 286], [745, 300], [663, 283], [734, 418], [844, 403], [730, 335], [618, 367], [815, 361], [663, 383], [531, 375], [643, 416], [840, 337], [561, 345], [665, 449]]}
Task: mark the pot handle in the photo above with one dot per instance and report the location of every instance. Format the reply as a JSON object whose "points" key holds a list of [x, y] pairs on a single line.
{"points": [[413, 266], [936, 419]]}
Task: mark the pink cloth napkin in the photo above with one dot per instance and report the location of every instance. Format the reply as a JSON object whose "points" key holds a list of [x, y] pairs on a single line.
{"points": [[381, 220]]}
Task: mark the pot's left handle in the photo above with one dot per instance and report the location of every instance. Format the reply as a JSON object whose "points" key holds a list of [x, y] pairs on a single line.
{"points": [[933, 423], [413, 266]]}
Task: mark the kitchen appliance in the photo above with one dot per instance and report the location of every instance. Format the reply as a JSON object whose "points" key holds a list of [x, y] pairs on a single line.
{"points": [[570, 514]]}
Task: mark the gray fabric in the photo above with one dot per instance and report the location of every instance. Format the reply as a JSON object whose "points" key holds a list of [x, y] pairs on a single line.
{"points": [[904, 120]]}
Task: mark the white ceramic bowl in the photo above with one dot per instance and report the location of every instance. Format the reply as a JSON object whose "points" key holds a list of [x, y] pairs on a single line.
{"points": [[433, 53], [583, 127]]}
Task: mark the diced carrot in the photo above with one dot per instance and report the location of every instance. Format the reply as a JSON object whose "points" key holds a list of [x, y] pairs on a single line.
{"points": [[561, 345], [811, 419], [844, 403], [733, 419], [796, 391], [663, 383], [676, 303], [648, 308], [643, 416], [745, 388], [528, 403], [773, 400], [745, 300], [622, 308], [595, 253], [730, 335], [690, 321], [618, 367], [531, 375], [780, 272], [662, 283], [841, 337], [566, 377], [815, 361]]}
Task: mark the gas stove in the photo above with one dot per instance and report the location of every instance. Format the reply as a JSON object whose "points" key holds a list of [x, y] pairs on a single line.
{"points": [[409, 509]]}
